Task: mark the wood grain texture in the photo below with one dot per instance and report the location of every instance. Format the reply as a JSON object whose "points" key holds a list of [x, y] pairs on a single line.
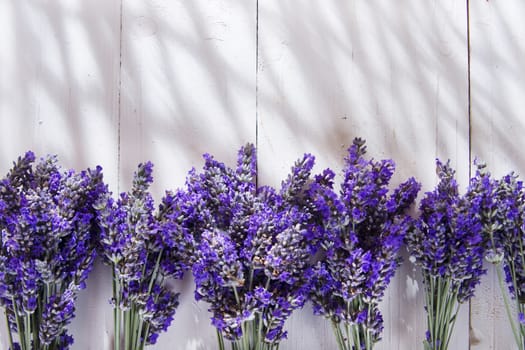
{"points": [[188, 87], [497, 75], [395, 74], [188, 84]]}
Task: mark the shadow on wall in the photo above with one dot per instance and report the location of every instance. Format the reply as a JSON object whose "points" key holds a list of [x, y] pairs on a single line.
{"points": [[59, 82], [497, 85], [188, 84], [395, 75]]}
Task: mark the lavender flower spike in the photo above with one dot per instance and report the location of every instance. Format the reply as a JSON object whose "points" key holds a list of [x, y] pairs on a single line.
{"points": [[254, 248], [448, 246], [144, 248], [503, 227], [46, 250], [363, 228]]}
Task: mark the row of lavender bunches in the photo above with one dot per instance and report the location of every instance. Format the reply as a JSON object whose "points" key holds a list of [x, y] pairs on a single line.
{"points": [[257, 253]]}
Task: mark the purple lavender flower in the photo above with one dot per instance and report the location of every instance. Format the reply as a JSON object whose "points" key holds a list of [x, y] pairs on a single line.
{"points": [[47, 250], [448, 245], [253, 247], [364, 228], [57, 314], [144, 247], [502, 222]]}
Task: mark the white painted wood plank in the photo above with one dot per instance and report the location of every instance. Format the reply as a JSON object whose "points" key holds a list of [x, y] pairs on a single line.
{"points": [[59, 81], [188, 84], [393, 73], [59, 66], [497, 75], [188, 87]]}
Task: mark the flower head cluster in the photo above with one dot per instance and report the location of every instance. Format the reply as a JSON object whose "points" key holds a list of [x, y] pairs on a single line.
{"points": [[503, 226], [364, 228], [46, 253], [448, 244], [254, 245], [144, 248], [447, 241], [508, 234]]}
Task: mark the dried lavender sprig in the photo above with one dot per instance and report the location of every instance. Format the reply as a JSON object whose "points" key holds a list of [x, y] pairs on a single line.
{"points": [[448, 246], [363, 231], [144, 247], [46, 219]]}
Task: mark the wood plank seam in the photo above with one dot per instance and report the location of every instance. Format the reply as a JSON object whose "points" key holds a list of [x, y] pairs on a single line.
{"points": [[119, 107], [469, 110], [257, 88]]}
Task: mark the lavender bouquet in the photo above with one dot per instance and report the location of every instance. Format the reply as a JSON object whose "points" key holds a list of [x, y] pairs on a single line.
{"points": [[503, 223], [254, 249], [364, 228], [448, 245], [46, 252], [144, 249]]}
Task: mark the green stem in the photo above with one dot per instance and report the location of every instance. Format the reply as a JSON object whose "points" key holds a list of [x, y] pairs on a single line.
{"points": [[518, 336], [429, 305], [441, 300], [452, 326], [19, 328], [338, 335], [220, 340], [138, 333], [521, 309], [368, 339], [356, 329], [36, 327], [155, 271], [439, 324], [116, 310], [27, 330], [244, 337], [507, 306], [10, 335], [519, 328], [349, 338], [126, 329], [146, 334], [131, 334]]}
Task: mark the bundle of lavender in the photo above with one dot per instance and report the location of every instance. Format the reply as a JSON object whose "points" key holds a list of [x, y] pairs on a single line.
{"points": [[503, 224], [363, 230], [46, 251], [145, 248], [448, 244], [254, 249]]}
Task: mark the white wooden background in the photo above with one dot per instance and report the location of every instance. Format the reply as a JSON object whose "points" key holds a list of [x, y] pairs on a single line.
{"points": [[117, 82]]}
